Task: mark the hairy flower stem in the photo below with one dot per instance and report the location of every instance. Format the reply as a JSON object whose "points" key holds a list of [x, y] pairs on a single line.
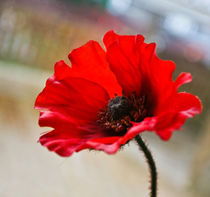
{"points": [[151, 163]]}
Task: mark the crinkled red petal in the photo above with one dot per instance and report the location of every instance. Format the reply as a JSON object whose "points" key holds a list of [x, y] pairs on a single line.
{"points": [[89, 62], [75, 98], [123, 59], [182, 79], [61, 142], [182, 106], [137, 67], [65, 143]]}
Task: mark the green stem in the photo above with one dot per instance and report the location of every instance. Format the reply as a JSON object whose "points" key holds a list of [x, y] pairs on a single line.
{"points": [[151, 164]]}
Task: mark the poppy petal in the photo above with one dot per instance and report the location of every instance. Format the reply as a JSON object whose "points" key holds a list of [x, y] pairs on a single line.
{"points": [[74, 98], [61, 142], [89, 62], [182, 106], [66, 143], [125, 66], [147, 124], [182, 79], [186, 102]]}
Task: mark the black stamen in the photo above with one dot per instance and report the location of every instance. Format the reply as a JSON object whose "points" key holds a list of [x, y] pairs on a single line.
{"points": [[119, 107]]}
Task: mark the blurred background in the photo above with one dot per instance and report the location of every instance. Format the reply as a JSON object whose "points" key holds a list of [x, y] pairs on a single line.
{"points": [[34, 34]]}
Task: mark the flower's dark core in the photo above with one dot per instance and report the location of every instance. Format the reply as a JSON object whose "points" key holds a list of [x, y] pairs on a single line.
{"points": [[120, 111], [119, 107]]}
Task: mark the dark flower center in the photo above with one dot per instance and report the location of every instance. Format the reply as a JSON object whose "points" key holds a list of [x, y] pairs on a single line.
{"points": [[120, 111], [119, 107]]}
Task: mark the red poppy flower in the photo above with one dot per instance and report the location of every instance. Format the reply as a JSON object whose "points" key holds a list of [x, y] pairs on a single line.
{"points": [[108, 97]]}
